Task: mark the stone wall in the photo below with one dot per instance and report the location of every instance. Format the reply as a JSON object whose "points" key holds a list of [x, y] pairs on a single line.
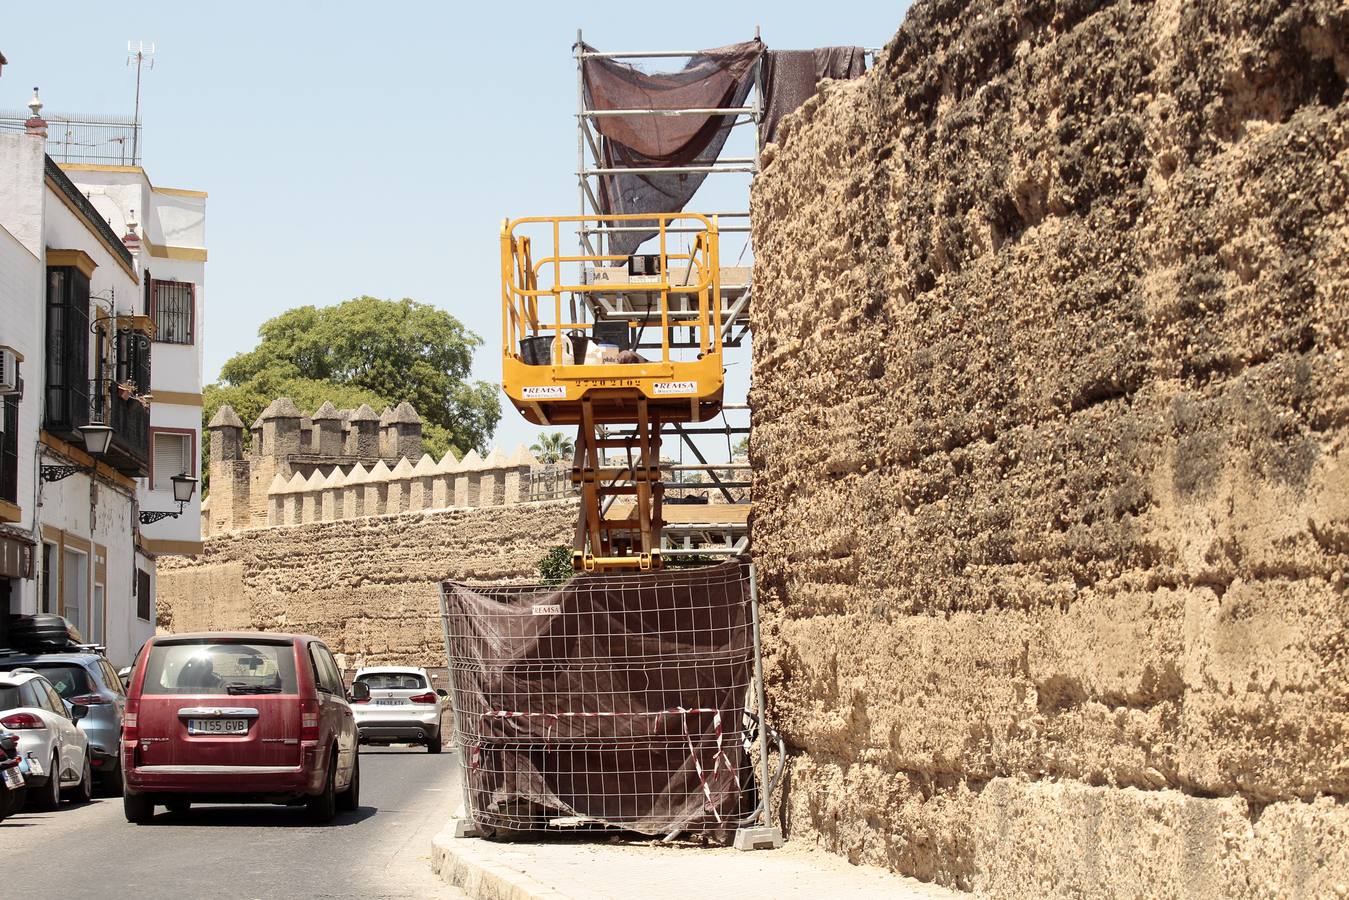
{"points": [[1051, 499], [367, 587]]}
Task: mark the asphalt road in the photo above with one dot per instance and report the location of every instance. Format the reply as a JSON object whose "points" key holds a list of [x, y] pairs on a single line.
{"points": [[381, 850]]}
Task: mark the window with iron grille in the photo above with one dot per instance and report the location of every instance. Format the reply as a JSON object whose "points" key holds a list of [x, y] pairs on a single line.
{"points": [[143, 594], [133, 359], [9, 452], [172, 306], [67, 350]]}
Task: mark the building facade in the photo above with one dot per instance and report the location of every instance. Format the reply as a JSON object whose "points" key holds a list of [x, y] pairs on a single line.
{"points": [[80, 338]]}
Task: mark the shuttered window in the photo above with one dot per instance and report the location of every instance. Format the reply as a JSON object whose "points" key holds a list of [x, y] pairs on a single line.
{"points": [[171, 305], [143, 594], [173, 456]]}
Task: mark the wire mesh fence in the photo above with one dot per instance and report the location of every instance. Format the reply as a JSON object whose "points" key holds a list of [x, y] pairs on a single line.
{"points": [[613, 702]]}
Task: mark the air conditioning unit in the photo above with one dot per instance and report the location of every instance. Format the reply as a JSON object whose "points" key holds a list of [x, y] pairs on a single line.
{"points": [[9, 371]]}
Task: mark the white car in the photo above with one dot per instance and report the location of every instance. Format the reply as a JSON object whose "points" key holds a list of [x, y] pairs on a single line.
{"points": [[56, 750], [404, 707]]}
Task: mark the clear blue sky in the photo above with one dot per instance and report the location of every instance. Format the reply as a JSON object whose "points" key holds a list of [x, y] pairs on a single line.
{"points": [[372, 148]]}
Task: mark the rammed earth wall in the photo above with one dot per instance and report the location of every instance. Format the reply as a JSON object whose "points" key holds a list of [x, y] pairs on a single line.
{"points": [[1051, 475], [366, 586]]}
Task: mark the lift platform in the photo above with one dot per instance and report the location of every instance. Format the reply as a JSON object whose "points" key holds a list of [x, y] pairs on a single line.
{"points": [[561, 366]]}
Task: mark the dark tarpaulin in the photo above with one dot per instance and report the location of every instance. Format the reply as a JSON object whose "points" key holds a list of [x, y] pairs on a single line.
{"points": [[717, 78], [614, 700], [792, 76]]}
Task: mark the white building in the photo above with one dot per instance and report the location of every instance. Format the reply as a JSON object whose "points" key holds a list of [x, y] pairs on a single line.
{"points": [[168, 226], [79, 302]]}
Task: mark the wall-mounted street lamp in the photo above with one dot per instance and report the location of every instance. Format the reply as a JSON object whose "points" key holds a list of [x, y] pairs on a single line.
{"points": [[96, 436], [184, 486]]}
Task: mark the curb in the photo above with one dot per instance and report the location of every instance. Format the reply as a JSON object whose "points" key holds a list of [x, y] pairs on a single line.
{"points": [[466, 863]]}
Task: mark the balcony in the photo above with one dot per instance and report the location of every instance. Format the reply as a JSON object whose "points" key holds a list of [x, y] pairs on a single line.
{"points": [[129, 419]]}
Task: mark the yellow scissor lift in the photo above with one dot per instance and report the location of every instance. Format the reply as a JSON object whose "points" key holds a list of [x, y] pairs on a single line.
{"points": [[551, 369]]}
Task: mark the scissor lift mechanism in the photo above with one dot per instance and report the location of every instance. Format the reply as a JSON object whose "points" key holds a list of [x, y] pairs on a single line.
{"points": [[546, 376]]}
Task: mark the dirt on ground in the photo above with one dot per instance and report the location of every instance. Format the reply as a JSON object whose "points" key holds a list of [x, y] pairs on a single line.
{"points": [[1051, 449]]}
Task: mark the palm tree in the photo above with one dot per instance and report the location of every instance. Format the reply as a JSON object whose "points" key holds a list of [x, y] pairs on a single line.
{"points": [[552, 447]]}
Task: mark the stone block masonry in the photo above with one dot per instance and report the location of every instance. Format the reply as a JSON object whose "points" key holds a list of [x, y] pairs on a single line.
{"points": [[368, 587], [1051, 450]]}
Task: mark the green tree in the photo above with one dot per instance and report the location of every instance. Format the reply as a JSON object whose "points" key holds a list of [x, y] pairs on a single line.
{"points": [[367, 350], [555, 567], [552, 446]]}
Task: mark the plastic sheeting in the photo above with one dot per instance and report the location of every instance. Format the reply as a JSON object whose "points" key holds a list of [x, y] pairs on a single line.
{"points": [[791, 77], [714, 79], [616, 700]]}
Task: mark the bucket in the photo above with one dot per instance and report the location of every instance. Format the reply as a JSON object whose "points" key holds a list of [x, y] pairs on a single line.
{"points": [[580, 342], [537, 350]]}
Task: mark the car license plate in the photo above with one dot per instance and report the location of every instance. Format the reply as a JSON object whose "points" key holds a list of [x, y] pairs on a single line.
{"points": [[217, 726], [393, 701], [13, 780]]}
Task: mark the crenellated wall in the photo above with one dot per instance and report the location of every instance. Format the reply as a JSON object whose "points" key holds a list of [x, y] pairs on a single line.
{"points": [[1051, 450], [345, 464]]}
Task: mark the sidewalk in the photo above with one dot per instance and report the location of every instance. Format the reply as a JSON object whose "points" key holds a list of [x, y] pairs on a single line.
{"points": [[568, 868]]}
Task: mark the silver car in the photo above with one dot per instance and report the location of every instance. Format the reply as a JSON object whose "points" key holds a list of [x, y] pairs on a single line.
{"points": [[404, 707], [89, 680], [57, 751]]}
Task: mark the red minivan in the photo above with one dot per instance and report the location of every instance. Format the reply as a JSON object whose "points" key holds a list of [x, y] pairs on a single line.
{"points": [[237, 717]]}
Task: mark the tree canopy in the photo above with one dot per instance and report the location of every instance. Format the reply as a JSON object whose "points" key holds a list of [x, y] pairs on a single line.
{"points": [[367, 350], [552, 446]]}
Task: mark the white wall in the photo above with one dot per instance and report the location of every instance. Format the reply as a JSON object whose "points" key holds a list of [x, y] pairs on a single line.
{"points": [[21, 286]]}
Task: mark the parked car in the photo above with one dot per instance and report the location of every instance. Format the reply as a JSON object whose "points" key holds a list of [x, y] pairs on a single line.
{"points": [[403, 707], [13, 789], [86, 678], [56, 750], [238, 718]]}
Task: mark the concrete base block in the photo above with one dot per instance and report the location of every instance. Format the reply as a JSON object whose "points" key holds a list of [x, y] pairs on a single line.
{"points": [[758, 837], [462, 828]]}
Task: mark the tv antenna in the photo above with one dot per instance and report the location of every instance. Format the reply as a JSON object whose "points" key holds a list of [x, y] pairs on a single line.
{"points": [[143, 57]]}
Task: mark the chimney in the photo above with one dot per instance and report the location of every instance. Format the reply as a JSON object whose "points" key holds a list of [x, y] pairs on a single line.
{"points": [[35, 124]]}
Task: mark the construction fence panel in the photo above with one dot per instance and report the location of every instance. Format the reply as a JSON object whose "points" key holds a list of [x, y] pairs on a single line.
{"points": [[614, 701]]}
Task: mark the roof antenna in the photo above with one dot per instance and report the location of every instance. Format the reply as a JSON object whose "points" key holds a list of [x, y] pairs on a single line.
{"points": [[141, 56]]}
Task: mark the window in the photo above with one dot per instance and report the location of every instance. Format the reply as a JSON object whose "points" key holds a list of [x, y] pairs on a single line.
{"points": [[173, 456], [50, 562], [110, 679], [143, 594], [95, 633], [326, 676], [53, 700], [69, 679], [197, 667], [67, 350], [9, 449], [75, 593], [172, 307], [393, 681]]}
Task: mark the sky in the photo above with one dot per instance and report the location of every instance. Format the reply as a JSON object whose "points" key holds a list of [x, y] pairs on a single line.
{"points": [[374, 148]]}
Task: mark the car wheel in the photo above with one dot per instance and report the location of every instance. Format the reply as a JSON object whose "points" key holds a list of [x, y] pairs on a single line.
{"points": [[433, 743], [350, 799], [49, 797], [138, 808], [178, 807], [323, 807], [84, 791]]}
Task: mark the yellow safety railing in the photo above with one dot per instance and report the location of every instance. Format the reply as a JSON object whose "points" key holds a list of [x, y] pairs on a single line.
{"points": [[523, 299]]}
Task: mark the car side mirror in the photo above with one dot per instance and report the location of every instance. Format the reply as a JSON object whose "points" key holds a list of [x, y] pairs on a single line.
{"points": [[360, 691], [78, 711], [441, 692]]}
